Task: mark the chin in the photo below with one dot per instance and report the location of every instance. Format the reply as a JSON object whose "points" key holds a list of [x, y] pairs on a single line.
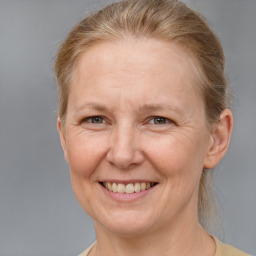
{"points": [[126, 225], [128, 230]]}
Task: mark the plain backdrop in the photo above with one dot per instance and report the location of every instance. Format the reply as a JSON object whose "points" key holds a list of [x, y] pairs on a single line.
{"points": [[39, 215]]}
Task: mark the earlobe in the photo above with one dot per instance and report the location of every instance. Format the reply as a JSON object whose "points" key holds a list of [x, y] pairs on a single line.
{"points": [[62, 138], [220, 139]]}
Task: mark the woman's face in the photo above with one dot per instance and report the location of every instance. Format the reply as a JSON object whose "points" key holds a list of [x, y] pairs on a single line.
{"points": [[136, 119]]}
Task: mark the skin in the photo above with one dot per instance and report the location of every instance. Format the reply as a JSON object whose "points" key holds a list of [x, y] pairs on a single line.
{"points": [[127, 84]]}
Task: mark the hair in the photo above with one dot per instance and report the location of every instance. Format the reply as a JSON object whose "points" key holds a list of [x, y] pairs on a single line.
{"points": [[167, 20]]}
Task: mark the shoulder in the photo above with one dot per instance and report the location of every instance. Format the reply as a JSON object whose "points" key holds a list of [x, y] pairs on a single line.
{"points": [[221, 250], [227, 250], [87, 251]]}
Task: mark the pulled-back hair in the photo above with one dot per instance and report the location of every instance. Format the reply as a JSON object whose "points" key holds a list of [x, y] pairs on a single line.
{"points": [[167, 20]]}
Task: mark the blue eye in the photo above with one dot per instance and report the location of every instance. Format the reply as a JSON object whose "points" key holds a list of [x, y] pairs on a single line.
{"points": [[97, 123], [95, 120]]}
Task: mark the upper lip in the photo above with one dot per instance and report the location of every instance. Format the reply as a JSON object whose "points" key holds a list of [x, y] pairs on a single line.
{"points": [[133, 181]]}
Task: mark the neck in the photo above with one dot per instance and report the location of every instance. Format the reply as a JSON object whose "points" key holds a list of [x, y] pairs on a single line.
{"points": [[188, 240]]}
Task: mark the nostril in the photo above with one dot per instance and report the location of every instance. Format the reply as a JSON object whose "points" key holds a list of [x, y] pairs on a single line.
{"points": [[124, 159]]}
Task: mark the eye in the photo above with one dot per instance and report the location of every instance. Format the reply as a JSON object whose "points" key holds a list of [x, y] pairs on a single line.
{"points": [[96, 123], [160, 123], [159, 120], [96, 120]]}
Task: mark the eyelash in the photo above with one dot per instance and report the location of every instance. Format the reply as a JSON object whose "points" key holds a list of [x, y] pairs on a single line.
{"points": [[152, 120], [90, 119], [160, 118]]}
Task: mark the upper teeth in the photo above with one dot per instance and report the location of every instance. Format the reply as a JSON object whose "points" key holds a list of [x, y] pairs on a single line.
{"points": [[129, 188]]}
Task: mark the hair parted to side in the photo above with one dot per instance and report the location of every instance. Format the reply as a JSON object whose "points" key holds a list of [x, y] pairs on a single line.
{"points": [[167, 20]]}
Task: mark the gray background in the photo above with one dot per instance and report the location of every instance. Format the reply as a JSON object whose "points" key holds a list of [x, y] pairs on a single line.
{"points": [[39, 215]]}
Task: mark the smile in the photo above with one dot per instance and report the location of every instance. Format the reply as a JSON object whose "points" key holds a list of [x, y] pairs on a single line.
{"points": [[127, 188]]}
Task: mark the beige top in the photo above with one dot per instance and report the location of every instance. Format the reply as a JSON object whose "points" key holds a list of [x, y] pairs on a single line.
{"points": [[221, 250]]}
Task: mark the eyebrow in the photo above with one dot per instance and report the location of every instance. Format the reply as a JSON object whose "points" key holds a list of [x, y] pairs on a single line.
{"points": [[144, 108], [93, 106], [157, 107]]}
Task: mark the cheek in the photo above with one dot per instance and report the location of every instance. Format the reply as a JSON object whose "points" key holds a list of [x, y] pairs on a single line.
{"points": [[174, 155], [84, 155], [82, 191]]}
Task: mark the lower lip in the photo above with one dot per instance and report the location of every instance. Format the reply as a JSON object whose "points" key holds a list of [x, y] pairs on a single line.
{"points": [[126, 197]]}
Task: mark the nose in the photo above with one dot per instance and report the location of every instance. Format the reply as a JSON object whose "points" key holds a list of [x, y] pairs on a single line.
{"points": [[124, 150]]}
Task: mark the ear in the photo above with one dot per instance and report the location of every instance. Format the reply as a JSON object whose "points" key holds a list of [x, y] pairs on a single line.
{"points": [[62, 138], [220, 138]]}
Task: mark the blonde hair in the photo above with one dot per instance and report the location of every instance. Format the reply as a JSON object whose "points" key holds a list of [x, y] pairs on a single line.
{"points": [[167, 20]]}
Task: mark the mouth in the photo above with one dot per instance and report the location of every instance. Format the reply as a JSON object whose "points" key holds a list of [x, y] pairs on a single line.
{"points": [[128, 188]]}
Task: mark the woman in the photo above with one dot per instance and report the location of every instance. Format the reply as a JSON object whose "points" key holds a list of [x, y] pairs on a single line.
{"points": [[143, 119]]}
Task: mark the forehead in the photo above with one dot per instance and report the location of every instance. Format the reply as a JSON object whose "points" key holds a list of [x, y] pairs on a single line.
{"points": [[137, 55], [143, 69]]}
